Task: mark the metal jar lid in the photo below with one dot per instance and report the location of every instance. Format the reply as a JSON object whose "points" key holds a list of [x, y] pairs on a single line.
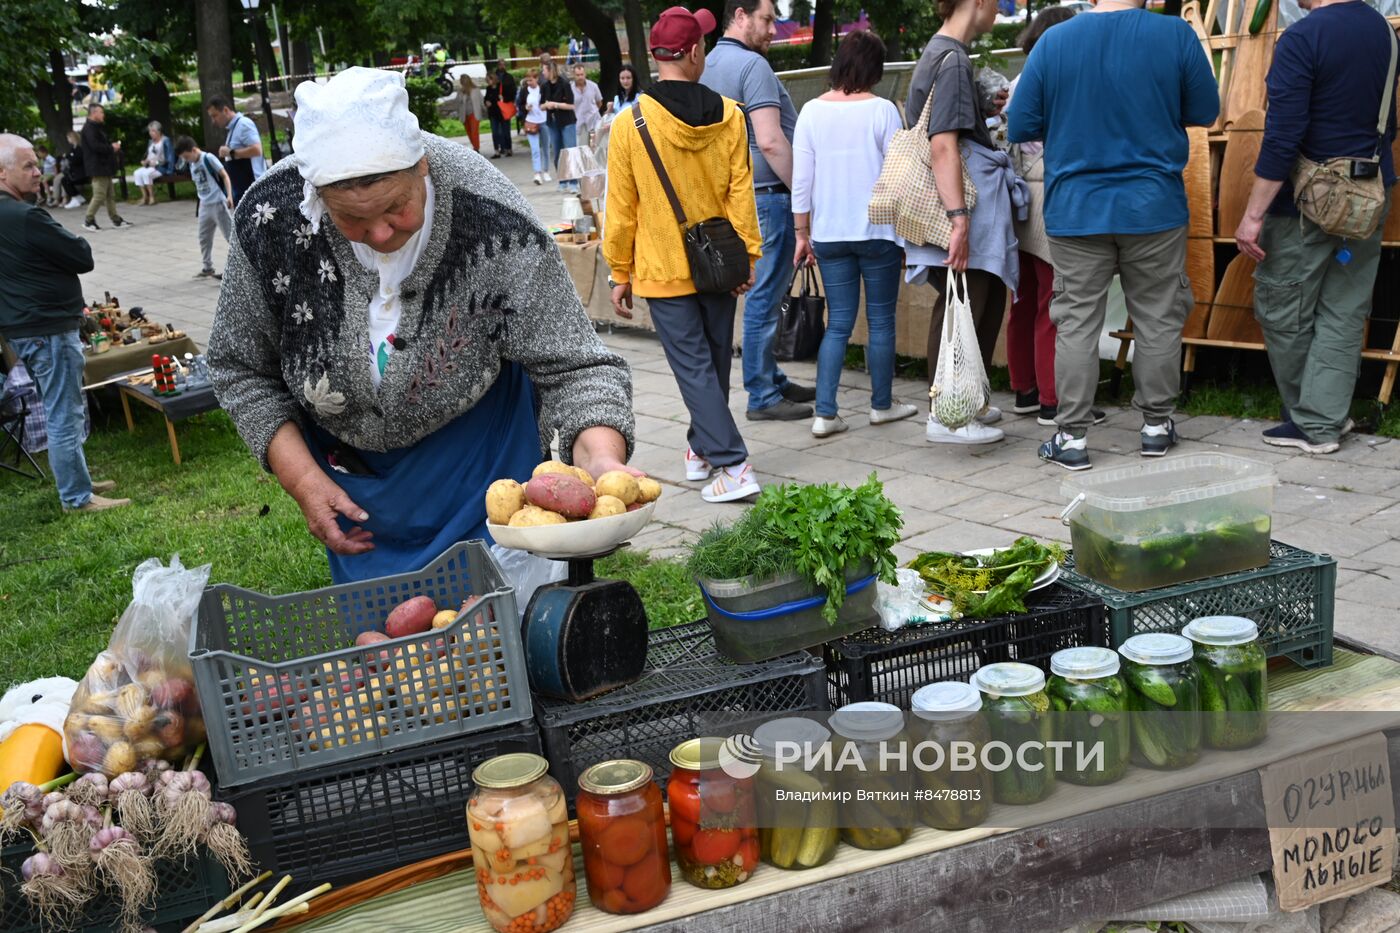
{"points": [[949, 699], [1009, 679], [514, 770], [1221, 630], [700, 754], [1085, 663], [871, 721], [615, 777], [798, 730], [1157, 648]]}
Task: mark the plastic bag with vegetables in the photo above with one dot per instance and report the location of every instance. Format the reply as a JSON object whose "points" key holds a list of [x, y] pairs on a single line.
{"points": [[137, 700]]}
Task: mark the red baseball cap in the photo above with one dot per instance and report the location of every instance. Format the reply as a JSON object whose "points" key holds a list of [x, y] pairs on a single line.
{"points": [[677, 30]]}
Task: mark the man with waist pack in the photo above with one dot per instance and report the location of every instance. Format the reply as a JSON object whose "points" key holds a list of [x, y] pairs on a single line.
{"points": [[1327, 153]]}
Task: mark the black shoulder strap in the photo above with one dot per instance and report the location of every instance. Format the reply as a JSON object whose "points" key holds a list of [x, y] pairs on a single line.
{"points": [[641, 124]]}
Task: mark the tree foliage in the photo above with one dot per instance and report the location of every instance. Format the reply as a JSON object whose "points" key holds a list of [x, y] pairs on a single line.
{"points": [[28, 30]]}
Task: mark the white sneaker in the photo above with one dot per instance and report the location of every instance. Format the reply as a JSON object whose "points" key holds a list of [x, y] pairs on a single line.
{"points": [[728, 487], [974, 433], [74, 203], [697, 468], [537, 178], [825, 427], [546, 177], [991, 416], [898, 411]]}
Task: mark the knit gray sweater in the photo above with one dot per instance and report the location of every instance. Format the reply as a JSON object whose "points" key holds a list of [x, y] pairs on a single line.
{"points": [[291, 333]]}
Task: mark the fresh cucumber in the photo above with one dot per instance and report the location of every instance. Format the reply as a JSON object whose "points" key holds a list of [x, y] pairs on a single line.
{"points": [[1261, 16]]}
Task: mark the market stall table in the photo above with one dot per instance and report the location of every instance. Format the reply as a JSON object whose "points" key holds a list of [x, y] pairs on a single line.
{"points": [[1091, 852], [173, 407], [100, 369]]}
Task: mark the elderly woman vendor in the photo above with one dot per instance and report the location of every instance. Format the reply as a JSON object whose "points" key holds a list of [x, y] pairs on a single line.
{"points": [[387, 366]]}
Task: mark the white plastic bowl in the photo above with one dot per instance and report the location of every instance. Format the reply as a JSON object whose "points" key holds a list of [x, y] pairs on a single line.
{"points": [[575, 539]]}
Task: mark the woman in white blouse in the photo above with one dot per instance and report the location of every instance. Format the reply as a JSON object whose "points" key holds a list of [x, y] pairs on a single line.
{"points": [[535, 119], [838, 150]]}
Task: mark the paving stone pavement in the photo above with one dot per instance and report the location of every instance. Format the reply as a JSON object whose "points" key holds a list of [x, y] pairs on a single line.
{"points": [[1347, 505]]}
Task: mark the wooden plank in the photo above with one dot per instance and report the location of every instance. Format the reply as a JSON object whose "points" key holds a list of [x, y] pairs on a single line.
{"points": [[1232, 311], [1200, 248], [1250, 65], [1236, 180], [1391, 230]]}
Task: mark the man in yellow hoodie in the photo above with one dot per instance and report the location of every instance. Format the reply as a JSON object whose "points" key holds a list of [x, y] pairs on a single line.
{"points": [[704, 146]]}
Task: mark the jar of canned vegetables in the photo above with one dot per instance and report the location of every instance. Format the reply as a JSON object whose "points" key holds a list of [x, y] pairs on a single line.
{"points": [[1090, 710], [518, 823], [1234, 680], [622, 831], [714, 823], [878, 812], [1018, 714], [799, 824], [958, 792], [1164, 700]]}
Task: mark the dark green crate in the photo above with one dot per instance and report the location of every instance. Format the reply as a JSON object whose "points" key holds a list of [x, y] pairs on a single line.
{"points": [[1291, 600]]}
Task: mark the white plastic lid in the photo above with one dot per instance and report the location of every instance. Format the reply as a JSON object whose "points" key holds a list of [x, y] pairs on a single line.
{"points": [[1170, 481], [1221, 630], [1084, 663], [1009, 679], [869, 721], [1157, 648], [798, 729], [949, 699]]}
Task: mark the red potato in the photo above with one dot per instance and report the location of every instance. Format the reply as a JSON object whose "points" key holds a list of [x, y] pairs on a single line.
{"points": [[174, 693], [411, 617], [369, 638], [566, 495], [635, 506]]}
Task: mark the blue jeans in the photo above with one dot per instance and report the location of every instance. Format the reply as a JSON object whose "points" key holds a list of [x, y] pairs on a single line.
{"points": [[539, 156], [56, 365], [763, 380], [843, 266], [500, 134], [561, 138]]}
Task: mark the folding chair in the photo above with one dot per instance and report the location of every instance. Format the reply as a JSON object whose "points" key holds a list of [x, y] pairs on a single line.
{"points": [[13, 412]]}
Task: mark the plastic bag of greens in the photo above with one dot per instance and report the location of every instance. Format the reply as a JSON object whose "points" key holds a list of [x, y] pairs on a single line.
{"points": [[960, 388], [137, 700]]}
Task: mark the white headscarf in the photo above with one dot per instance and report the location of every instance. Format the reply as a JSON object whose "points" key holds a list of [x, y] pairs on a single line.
{"points": [[356, 124]]}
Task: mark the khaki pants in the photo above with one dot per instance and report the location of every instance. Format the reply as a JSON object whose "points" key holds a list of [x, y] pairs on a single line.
{"points": [[1150, 267], [102, 194], [1313, 311]]}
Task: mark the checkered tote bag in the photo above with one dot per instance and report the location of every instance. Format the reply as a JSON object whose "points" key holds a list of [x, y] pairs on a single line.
{"points": [[906, 195]]}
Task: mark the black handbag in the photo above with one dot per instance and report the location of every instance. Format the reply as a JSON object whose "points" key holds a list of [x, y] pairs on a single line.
{"points": [[718, 258], [801, 319]]}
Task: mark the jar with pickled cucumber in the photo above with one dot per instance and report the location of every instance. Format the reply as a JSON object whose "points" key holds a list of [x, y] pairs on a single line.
{"points": [[1234, 680], [1089, 700], [878, 812], [798, 821], [1018, 714], [518, 822], [622, 831], [714, 822], [1164, 700], [956, 794]]}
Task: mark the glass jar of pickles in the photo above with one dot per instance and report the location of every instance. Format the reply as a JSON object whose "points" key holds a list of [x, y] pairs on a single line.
{"points": [[877, 814], [953, 797], [1164, 700], [799, 824], [1089, 703], [714, 823], [1234, 680], [1017, 709], [622, 831], [518, 822]]}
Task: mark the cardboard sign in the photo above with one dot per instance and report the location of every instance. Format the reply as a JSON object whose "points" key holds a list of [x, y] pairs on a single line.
{"points": [[1331, 820]]}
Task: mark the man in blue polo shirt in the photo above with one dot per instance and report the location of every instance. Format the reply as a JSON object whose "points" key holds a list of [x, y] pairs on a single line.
{"points": [[242, 152], [1312, 291], [1111, 93], [736, 68]]}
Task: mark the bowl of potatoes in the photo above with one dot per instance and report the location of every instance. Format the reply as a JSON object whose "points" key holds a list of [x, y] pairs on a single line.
{"points": [[562, 512]]}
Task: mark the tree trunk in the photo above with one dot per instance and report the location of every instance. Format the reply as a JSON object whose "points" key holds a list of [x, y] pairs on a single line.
{"points": [[823, 23], [598, 26], [55, 105], [284, 42], [303, 61], [637, 41], [262, 45], [158, 103], [215, 60]]}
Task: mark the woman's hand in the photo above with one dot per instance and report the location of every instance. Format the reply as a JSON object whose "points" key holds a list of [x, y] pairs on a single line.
{"points": [[957, 245], [802, 255], [322, 502], [601, 449]]}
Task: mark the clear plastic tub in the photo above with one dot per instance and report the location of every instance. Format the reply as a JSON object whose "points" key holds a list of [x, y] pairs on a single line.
{"points": [[1171, 521], [754, 620]]}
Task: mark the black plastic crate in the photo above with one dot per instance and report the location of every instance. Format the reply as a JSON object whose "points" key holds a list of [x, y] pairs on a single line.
{"points": [[347, 822], [185, 889], [685, 681], [890, 666]]}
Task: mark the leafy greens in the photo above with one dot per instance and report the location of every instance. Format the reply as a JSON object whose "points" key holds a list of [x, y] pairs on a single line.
{"points": [[991, 585]]}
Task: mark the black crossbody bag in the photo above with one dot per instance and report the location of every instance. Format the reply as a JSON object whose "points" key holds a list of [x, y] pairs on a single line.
{"points": [[718, 258]]}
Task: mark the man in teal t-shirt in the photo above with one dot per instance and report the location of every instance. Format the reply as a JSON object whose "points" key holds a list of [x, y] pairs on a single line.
{"points": [[1110, 94]]}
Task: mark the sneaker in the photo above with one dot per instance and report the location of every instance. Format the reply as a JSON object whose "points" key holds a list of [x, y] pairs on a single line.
{"points": [[1046, 418], [120, 224], [90, 225], [1347, 427], [99, 504], [1289, 434], [697, 468], [796, 393], [105, 485], [205, 274], [1157, 439], [974, 433], [729, 487], [897, 411], [74, 203], [991, 415], [783, 411], [1027, 403], [509, 154], [495, 155], [546, 177], [1072, 453], [825, 427]]}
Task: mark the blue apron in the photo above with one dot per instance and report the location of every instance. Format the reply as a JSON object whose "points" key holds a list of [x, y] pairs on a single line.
{"points": [[425, 498]]}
